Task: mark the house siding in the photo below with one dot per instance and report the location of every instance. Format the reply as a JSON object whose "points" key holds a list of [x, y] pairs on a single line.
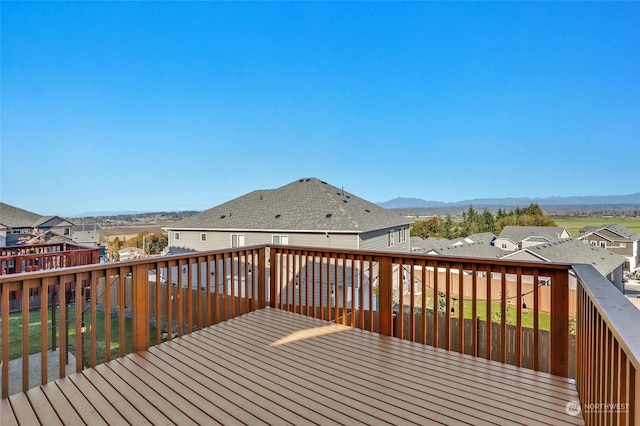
{"points": [[190, 240], [378, 240], [630, 251], [510, 246]]}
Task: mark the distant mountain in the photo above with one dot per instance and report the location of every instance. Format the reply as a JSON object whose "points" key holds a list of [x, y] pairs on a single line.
{"points": [[403, 203], [106, 213]]}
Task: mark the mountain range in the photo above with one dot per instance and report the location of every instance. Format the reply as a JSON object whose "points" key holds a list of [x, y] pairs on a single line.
{"points": [[403, 203]]}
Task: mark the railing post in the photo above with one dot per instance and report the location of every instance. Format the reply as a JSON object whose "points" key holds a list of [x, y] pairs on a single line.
{"points": [[262, 277], [140, 308], [272, 277], [559, 339], [385, 295]]}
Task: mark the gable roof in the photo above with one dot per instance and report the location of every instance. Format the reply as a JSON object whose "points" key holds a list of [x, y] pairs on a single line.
{"points": [[482, 237], [307, 204], [570, 250], [14, 217], [625, 234], [481, 249], [419, 244], [520, 233]]}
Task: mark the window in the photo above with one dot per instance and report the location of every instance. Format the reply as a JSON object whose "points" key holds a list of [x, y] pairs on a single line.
{"points": [[594, 243], [504, 245], [203, 237], [176, 235], [67, 231], [403, 235], [391, 241], [237, 240], [280, 239], [603, 244]]}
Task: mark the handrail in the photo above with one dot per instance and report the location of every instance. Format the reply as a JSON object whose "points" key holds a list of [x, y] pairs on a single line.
{"points": [[125, 306], [303, 276], [608, 351], [459, 304], [44, 260]]}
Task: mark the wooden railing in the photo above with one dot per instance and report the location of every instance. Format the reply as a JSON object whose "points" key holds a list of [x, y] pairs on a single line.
{"points": [[101, 311], [31, 258], [608, 352], [38, 248], [421, 298], [484, 308]]}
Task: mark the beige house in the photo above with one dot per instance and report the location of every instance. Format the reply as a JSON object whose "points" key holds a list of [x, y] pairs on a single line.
{"points": [[306, 212]]}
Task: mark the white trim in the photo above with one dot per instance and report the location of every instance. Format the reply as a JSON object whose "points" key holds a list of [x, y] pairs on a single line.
{"points": [[274, 231], [280, 236], [237, 240]]}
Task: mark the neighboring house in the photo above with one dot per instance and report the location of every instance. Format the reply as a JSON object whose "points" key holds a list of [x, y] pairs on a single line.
{"points": [[617, 239], [91, 238], [483, 237], [482, 249], [18, 225], [86, 235], [573, 251], [513, 238], [420, 245], [424, 246], [306, 212]]}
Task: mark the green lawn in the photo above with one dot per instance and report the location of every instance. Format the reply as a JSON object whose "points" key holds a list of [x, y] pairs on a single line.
{"points": [[35, 338], [544, 320], [573, 225]]}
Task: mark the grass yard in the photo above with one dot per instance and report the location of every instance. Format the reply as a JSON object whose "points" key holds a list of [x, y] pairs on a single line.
{"points": [[574, 225], [544, 320], [15, 334]]}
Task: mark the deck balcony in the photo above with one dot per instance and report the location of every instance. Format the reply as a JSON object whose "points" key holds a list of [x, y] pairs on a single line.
{"points": [[37, 257], [300, 335]]}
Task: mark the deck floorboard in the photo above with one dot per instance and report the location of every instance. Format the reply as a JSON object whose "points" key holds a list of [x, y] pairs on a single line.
{"points": [[279, 368]]}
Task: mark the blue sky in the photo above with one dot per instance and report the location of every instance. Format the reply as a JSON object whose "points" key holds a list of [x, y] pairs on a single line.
{"points": [[112, 106]]}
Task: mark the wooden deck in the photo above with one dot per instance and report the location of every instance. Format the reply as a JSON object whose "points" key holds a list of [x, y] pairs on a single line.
{"points": [[275, 367]]}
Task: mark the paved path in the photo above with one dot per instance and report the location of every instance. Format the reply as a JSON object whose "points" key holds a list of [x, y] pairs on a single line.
{"points": [[15, 370]]}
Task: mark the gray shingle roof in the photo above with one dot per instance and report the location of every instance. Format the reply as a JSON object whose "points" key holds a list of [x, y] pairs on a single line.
{"points": [[622, 231], [570, 250], [429, 243], [519, 233], [306, 205], [483, 237], [13, 217], [481, 249]]}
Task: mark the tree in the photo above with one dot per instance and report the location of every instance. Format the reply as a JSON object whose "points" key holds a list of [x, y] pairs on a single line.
{"points": [[149, 243], [488, 222], [471, 222], [448, 229], [526, 216], [432, 227]]}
